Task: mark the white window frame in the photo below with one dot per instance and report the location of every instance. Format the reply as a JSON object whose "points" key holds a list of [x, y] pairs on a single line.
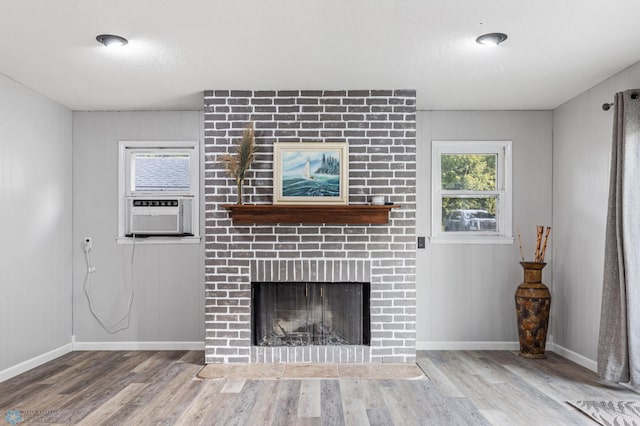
{"points": [[125, 151], [503, 192]]}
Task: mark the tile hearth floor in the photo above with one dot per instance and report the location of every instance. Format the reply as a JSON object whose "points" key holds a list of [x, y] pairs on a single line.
{"points": [[381, 371]]}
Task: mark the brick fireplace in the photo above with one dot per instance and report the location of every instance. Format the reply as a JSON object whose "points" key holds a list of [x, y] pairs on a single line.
{"points": [[379, 126]]}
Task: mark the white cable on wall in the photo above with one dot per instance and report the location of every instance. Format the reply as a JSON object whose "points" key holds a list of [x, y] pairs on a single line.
{"points": [[116, 326]]}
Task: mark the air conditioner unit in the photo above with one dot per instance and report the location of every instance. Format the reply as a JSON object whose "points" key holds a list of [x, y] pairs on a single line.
{"points": [[147, 217]]}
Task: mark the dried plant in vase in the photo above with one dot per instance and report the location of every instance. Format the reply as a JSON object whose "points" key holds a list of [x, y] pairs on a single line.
{"points": [[237, 164], [541, 248]]}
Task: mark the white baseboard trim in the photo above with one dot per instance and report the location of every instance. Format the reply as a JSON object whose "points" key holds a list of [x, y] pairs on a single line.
{"points": [[138, 346], [35, 362], [467, 346], [573, 356], [506, 346]]}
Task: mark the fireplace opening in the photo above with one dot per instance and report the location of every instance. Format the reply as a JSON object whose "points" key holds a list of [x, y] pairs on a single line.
{"points": [[307, 313]]}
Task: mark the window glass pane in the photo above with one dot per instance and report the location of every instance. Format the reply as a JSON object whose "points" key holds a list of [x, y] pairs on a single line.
{"points": [[160, 172], [473, 172], [469, 214]]}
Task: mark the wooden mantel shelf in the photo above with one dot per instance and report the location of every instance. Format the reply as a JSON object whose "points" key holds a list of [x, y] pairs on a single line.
{"points": [[356, 214]]}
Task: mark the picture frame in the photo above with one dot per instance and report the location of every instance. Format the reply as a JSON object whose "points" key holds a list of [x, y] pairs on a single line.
{"points": [[311, 173]]}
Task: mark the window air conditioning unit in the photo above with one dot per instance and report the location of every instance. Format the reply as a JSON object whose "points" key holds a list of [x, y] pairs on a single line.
{"points": [[169, 217]]}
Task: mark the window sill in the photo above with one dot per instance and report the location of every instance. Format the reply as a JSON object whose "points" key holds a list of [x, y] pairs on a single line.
{"points": [[465, 239], [159, 240]]}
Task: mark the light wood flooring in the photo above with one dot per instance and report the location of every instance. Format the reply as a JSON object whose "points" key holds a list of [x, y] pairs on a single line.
{"points": [[161, 387]]}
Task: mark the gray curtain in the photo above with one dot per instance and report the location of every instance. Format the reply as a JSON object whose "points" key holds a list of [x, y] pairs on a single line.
{"points": [[619, 342]]}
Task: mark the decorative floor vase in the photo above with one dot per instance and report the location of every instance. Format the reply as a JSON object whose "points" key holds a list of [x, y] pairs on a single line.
{"points": [[533, 301]]}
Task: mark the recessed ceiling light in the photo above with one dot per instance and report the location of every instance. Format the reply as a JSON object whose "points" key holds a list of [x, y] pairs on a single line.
{"points": [[491, 39], [111, 40]]}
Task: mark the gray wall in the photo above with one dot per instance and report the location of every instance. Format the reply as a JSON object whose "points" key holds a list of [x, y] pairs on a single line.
{"points": [[581, 155], [168, 279], [465, 292], [35, 248]]}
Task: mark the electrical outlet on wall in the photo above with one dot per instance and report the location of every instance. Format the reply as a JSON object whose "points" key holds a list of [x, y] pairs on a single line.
{"points": [[87, 244], [422, 242]]}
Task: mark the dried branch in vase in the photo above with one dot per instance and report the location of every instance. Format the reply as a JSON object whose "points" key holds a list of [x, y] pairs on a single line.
{"points": [[541, 244], [520, 243], [539, 230], [544, 246], [237, 164]]}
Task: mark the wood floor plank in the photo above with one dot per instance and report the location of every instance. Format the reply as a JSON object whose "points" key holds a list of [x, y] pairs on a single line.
{"points": [[474, 388], [439, 378], [464, 412], [554, 388], [109, 367], [354, 407], [371, 395], [168, 414], [193, 357], [198, 411], [263, 411], [309, 403], [106, 410], [546, 393], [233, 386], [425, 401], [379, 417], [420, 402], [179, 391], [220, 409], [308, 421], [147, 370], [363, 390], [355, 413], [137, 407], [396, 406], [41, 373], [20, 396], [491, 396], [331, 411], [484, 367], [34, 381], [286, 404], [91, 387], [240, 412], [532, 403], [82, 361], [498, 417], [565, 380]]}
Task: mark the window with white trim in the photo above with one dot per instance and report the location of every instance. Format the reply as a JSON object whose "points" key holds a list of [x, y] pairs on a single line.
{"points": [[471, 192], [158, 190]]}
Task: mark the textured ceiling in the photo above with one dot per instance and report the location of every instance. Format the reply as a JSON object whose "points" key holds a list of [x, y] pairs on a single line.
{"points": [[178, 48]]}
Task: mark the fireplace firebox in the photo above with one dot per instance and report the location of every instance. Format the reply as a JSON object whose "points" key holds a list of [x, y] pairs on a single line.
{"points": [[310, 313]]}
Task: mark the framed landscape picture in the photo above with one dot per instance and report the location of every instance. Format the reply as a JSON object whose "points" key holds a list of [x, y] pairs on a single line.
{"points": [[310, 173]]}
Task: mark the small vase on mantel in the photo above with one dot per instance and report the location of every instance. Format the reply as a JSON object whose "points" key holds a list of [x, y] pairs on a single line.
{"points": [[533, 302], [239, 183]]}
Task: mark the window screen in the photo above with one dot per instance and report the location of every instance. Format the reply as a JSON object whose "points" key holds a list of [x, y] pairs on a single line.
{"points": [[160, 172]]}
